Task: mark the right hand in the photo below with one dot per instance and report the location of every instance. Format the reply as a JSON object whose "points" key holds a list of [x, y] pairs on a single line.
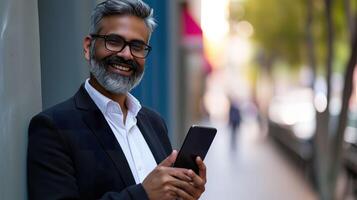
{"points": [[168, 183]]}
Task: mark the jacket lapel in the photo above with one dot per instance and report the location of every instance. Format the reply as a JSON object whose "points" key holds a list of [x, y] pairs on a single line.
{"points": [[95, 120], [151, 138]]}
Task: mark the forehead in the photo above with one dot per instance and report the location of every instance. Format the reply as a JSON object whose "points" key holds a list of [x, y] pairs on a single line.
{"points": [[128, 26]]}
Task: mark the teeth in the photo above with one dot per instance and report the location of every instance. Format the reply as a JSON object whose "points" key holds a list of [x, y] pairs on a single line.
{"points": [[121, 68]]}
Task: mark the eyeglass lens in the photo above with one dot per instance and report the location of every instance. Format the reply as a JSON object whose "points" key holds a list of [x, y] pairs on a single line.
{"points": [[117, 43]]}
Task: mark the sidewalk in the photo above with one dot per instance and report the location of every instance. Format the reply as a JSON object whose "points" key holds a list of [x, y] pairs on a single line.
{"points": [[256, 170]]}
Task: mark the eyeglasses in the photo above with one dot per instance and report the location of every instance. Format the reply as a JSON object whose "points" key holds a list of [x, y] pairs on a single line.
{"points": [[116, 43]]}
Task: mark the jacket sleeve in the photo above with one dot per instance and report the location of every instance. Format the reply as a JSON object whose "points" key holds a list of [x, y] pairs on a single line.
{"points": [[50, 168]]}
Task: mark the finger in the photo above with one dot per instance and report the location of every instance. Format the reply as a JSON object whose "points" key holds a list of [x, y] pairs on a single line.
{"points": [[202, 170], [180, 173], [197, 181], [169, 160], [182, 194], [170, 194], [189, 188], [186, 186]]}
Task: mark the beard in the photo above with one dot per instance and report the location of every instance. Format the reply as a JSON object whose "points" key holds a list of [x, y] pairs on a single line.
{"points": [[112, 82]]}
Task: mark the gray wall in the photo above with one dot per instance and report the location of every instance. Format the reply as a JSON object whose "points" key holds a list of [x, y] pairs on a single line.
{"points": [[63, 25], [176, 73], [20, 90]]}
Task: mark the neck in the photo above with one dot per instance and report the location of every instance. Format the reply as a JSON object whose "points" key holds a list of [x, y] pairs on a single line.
{"points": [[119, 98]]}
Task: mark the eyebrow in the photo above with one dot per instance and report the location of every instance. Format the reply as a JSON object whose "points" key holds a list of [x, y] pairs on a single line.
{"points": [[134, 40]]}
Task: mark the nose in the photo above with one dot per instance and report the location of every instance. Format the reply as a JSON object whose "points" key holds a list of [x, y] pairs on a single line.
{"points": [[126, 53]]}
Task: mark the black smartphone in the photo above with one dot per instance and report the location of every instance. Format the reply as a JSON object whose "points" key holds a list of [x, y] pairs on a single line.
{"points": [[197, 142]]}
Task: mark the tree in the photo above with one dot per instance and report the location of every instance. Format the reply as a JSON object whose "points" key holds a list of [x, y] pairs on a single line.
{"points": [[323, 118], [278, 29]]}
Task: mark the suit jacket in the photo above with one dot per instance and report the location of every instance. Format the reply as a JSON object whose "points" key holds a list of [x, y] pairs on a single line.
{"points": [[73, 153]]}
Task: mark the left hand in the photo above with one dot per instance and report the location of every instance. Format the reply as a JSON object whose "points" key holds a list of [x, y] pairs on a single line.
{"points": [[198, 180]]}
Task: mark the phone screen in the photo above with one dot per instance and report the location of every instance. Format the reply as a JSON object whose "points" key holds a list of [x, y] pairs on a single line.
{"points": [[197, 142]]}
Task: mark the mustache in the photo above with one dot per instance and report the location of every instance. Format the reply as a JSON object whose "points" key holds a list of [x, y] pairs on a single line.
{"points": [[117, 60]]}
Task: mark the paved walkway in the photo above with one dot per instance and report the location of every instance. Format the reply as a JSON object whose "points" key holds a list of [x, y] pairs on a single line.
{"points": [[256, 170]]}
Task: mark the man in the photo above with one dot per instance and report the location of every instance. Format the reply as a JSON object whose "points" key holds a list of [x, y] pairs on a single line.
{"points": [[101, 143]]}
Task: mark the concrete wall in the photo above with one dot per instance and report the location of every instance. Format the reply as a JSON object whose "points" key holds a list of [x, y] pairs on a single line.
{"points": [[20, 90], [63, 25]]}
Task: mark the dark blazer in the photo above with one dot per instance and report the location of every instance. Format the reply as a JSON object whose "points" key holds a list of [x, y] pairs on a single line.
{"points": [[73, 154]]}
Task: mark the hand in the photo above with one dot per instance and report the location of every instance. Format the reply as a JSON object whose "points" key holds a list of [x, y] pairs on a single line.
{"points": [[167, 183], [198, 181]]}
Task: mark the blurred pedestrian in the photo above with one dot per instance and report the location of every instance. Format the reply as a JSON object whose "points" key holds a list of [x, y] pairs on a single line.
{"points": [[234, 121]]}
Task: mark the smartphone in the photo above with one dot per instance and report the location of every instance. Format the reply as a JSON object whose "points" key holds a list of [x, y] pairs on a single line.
{"points": [[197, 142]]}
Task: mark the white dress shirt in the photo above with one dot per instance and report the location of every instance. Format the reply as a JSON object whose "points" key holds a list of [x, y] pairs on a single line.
{"points": [[132, 142]]}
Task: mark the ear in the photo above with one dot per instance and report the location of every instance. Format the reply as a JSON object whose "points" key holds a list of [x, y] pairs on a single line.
{"points": [[86, 46]]}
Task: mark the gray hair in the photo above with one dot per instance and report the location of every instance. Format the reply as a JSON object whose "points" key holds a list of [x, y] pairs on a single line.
{"points": [[122, 7]]}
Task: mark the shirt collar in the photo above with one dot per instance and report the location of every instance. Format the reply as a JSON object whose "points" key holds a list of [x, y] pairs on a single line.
{"points": [[106, 105]]}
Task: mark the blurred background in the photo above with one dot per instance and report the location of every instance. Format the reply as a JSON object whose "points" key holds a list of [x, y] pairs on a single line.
{"points": [[276, 78]]}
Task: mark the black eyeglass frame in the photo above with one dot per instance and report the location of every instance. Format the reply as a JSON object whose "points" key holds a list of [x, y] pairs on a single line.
{"points": [[126, 43]]}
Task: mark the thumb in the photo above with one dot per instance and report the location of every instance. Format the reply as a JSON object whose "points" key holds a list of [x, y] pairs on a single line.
{"points": [[169, 160]]}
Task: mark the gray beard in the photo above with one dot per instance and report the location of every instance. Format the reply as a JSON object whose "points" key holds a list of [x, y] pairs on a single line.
{"points": [[114, 83]]}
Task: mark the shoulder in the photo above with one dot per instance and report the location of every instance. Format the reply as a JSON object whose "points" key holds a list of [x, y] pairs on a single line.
{"points": [[62, 107], [71, 106], [66, 105], [56, 114]]}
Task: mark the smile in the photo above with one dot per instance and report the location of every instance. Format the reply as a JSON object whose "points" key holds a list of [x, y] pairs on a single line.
{"points": [[122, 68]]}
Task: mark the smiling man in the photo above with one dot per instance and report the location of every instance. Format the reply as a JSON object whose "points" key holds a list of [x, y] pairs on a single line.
{"points": [[101, 143]]}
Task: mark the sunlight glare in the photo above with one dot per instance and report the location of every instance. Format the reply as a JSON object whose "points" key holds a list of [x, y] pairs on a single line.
{"points": [[214, 19]]}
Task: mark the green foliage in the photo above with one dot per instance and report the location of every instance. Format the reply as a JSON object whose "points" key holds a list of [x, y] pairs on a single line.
{"points": [[280, 29]]}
